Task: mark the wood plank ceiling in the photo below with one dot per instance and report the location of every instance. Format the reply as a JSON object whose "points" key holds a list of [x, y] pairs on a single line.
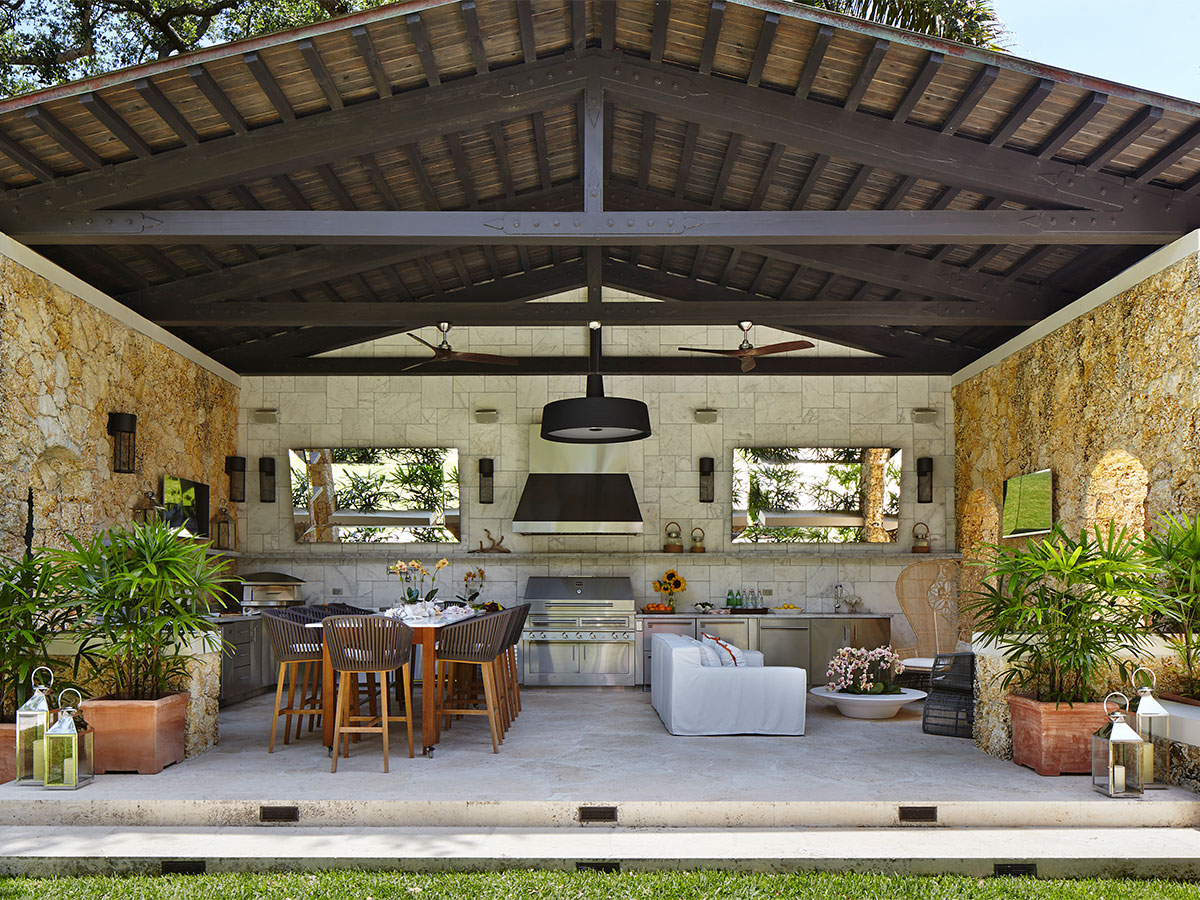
{"points": [[429, 161]]}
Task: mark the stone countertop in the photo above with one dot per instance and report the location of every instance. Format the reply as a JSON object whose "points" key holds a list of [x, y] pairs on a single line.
{"points": [[240, 617], [774, 614]]}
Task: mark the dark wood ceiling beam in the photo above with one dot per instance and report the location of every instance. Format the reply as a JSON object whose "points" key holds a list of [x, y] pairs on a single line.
{"points": [[667, 228], [335, 187], [1138, 125], [430, 276], [543, 149], [420, 39], [767, 177], [217, 98], [764, 270], [592, 142], [1181, 147], [475, 36], [1087, 110], [730, 267], [270, 87], [933, 65], [525, 28], [608, 26], [659, 30], [899, 192], [820, 164], [789, 289], [712, 35], [646, 151], [579, 25], [926, 364], [762, 49], [970, 99], [870, 140], [812, 63], [370, 57], [866, 75], [320, 73], [120, 129], [64, 137], [166, 111], [687, 157], [857, 184], [1020, 113], [895, 341], [367, 127]]}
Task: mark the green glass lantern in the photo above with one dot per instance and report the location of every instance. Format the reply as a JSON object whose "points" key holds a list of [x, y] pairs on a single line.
{"points": [[1153, 724], [33, 718], [70, 748], [1117, 755]]}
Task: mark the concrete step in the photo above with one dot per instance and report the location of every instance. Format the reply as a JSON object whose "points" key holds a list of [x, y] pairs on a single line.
{"points": [[980, 852]]}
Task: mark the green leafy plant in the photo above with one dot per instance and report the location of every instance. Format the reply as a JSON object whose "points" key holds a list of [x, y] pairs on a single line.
{"points": [[1172, 548], [31, 613], [143, 596], [1062, 610]]}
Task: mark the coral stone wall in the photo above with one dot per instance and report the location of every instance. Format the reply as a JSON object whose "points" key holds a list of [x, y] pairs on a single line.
{"points": [[64, 366], [1111, 403]]}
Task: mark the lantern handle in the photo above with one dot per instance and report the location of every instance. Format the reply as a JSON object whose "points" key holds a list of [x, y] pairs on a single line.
{"points": [[33, 676], [69, 690], [1133, 679], [1115, 711]]}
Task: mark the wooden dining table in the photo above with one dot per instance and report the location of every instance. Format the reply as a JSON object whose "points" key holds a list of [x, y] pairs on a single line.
{"points": [[425, 633]]}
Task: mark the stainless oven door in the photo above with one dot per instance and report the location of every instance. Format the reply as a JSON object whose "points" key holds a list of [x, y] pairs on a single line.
{"points": [[578, 663]]}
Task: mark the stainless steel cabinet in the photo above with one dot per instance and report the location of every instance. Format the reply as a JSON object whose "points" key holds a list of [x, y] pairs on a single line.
{"points": [[731, 630], [831, 635], [785, 642], [247, 664], [685, 625]]}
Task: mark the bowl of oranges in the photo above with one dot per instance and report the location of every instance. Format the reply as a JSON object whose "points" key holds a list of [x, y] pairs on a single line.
{"points": [[658, 608]]}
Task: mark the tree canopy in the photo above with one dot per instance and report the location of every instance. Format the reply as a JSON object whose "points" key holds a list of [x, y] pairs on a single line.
{"points": [[46, 42]]}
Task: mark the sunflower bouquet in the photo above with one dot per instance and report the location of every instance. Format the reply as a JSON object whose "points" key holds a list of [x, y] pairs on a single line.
{"points": [[671, 583], [414, 574]]}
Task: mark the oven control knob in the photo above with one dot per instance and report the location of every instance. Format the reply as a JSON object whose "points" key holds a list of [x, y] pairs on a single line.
{"points": [[578, 636], [592, 635]]}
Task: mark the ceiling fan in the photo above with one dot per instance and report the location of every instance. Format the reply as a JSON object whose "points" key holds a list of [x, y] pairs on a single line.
{"points": [[748, 353], [443, 352]]}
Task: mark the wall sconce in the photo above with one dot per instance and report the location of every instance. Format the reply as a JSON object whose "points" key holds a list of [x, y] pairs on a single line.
{"points": [[235, 468], [123, 428], [223, 530], [707, 479], [705, 416], [925, 479], [487, 472], [266, 479], [487, 416]]}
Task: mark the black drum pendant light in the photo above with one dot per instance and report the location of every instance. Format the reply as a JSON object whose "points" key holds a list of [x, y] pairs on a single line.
{"points": [[594, 418]]}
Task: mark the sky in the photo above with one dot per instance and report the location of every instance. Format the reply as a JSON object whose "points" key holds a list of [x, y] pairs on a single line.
{"points": [[1149, 45]]}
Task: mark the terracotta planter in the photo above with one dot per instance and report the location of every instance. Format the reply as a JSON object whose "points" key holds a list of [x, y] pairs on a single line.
{"points": [[140, 736], [8, 752], [1167, 695], [1054, 740]]}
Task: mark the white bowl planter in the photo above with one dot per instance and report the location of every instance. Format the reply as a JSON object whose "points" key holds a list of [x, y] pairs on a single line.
{"points": [[869, 706]]}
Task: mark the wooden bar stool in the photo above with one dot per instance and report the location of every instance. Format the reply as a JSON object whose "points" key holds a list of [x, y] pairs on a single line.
{"points": [[510, 668], [372, 646], [298, 651], [478, 642]]}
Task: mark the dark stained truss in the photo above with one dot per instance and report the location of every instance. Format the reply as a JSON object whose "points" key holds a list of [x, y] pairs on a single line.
{"points": [[751, 159]]}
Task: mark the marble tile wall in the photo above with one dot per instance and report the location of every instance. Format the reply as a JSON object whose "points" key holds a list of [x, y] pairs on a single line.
{"points": [[412, 410]]}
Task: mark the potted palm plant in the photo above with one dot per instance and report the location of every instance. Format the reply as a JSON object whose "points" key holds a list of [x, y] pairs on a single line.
{"points": [[143, 598], [1172, 548], [1063, 611], [30, 615]]}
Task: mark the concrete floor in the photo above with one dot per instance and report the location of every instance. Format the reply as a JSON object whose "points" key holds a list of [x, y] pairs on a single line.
{"points": [[573, 747]]}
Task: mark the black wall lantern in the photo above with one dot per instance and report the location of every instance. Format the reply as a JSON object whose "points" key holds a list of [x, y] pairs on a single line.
{"points": [[266, 479], [487, 472], [123, 428], [223, 530], [235, 468], [707, 479], [925, 479]]}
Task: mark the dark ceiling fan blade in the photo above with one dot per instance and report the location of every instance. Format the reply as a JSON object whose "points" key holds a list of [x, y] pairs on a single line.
{"points": [[488, 358], [421, 340], [785, 347], [419, 364], [748, 363], [718, 352]]}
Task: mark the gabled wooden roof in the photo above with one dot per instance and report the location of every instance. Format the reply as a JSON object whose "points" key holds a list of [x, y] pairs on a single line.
{"points": [[986, 191]]}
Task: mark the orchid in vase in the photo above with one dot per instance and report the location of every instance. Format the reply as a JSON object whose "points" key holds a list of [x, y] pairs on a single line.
{"points": [[414, 575], [473, 580], [857, 670]]}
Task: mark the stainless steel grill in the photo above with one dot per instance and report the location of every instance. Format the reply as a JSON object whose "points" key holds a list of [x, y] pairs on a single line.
{"points": [[580, 631]]}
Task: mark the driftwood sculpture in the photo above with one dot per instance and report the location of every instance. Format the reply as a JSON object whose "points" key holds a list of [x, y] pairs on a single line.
{"points": [[494, 545]]}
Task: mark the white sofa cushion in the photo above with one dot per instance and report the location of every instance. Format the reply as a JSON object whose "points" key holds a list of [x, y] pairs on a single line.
{"points": [[726, 652], [693, 699], [709, 655]]}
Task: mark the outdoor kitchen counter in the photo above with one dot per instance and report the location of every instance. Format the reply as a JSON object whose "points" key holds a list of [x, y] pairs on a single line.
{"points": [[773, 614]]}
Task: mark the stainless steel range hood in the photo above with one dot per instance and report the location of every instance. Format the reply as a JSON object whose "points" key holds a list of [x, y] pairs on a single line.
{"points": [[577, 489]]}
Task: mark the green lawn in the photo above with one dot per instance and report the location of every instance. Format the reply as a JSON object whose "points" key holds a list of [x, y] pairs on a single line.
{"points": [[585, 886]]}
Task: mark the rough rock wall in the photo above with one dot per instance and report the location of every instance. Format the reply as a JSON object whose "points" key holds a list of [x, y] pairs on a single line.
{"points": [[1111, 403], [64, 365]]}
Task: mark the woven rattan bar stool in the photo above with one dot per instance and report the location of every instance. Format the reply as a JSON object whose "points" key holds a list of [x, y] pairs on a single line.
{"points": [[511, 672], [367, 645], [298, 652], [474, 642]]}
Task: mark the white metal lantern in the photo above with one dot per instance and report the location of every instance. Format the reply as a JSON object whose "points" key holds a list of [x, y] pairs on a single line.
{"points": [[70, 749], [1154, 728], [1117, 754], [33, 718]]}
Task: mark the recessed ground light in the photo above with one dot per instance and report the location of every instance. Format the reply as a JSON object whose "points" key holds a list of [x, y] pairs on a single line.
{"points": [[924, 415], [487, 416], [265, 416], [706, 416]]}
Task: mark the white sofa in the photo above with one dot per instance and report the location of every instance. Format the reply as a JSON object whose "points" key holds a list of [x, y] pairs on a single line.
{"points": [[694, 699]]}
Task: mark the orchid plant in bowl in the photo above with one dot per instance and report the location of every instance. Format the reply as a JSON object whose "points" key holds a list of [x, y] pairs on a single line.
{"points": [[473, 580], [414, 574], [857, 670]]}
